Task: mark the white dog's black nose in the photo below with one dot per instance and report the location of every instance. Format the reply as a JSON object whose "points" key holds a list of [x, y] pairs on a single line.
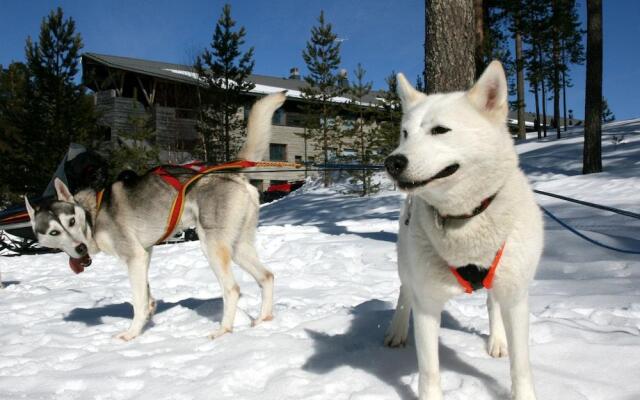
{"points": [[395, 164], [81, 249]]}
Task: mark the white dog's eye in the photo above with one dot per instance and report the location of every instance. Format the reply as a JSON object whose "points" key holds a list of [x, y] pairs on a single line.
{"points": [[405, 133], [439, 130], [72, 222], [54, 233]]}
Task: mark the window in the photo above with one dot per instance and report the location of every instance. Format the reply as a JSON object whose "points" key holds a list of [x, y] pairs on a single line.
{"points": [[332, 152], [298, 159], [278, 117], [104, 132], [257, 183], [277, 152], [349, 153], [295, 119]]}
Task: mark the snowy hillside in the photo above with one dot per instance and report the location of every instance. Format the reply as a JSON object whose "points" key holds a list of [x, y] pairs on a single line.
{"points": [[334, 260]]}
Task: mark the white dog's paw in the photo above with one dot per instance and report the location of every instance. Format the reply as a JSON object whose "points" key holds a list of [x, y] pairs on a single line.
{"points": [[497, 346], [261, 319], [151, 307], [434, 394], [396, 336], [127, 335], [219, 332], [526, 394]]}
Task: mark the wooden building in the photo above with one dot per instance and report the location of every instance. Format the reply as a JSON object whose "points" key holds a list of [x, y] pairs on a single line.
{"points": [[167, 93]]}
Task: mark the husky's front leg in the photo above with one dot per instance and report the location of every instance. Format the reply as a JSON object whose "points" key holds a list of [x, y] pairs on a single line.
{"points": [[516, 322], [399, 329], [143, 303], [426, 321]]}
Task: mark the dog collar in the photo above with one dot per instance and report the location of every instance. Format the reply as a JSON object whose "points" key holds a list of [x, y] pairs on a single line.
{"points": [[476, 211]]}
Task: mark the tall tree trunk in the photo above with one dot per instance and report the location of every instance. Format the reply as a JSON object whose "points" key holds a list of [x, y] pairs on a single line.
{"points": [[544, 95], [556, 65], [478, 11], [537, 99], [564, 92], [592, 152], [450, 45], [522, 134]]}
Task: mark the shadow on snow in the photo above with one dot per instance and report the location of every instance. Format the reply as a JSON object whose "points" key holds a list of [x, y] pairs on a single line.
{"points": [[361, 348], [209, 308]]}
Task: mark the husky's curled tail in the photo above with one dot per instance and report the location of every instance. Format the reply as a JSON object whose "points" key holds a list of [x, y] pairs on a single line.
{"points": [[259, 127]]}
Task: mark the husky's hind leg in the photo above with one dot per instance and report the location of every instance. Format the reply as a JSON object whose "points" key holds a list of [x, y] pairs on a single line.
{"points": [[218, 253], [399, 329], [246, 257]]}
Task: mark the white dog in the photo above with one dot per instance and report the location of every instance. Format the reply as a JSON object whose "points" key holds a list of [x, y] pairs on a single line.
{"points": [[470, 221]]}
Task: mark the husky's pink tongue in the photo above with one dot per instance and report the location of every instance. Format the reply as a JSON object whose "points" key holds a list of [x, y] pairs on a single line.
{"points": [[78, 264]]}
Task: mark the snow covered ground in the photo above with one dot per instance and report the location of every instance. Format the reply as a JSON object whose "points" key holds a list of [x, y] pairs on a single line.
{"points": [[336, 283]]}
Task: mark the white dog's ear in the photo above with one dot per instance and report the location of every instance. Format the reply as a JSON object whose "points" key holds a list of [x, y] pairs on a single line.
{"points": [[408, 95], [30, 210], [63, 191], [490, 94]]}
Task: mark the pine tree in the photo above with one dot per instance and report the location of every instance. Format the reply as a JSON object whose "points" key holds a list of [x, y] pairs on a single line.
{"points": [[224, 71], [136, 148], [364, 130], [55, 110], [389, 117], [536, 14], [567, 48], [322, 57], [13, 136], [607, 114]]}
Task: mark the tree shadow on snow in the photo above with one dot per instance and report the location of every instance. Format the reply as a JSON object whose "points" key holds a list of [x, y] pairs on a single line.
{"points": [[361, 347], [333, 229], [209, 308]]}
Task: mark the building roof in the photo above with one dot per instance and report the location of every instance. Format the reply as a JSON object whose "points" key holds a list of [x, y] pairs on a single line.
{"points": [[186, 74]]}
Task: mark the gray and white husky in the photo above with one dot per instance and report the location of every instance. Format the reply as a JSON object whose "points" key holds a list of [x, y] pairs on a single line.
{"points": [[469, 206], [132, 217]]}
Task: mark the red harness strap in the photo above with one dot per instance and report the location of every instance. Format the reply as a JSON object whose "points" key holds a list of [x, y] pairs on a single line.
{"points": [[178, 202], [487, 282]]}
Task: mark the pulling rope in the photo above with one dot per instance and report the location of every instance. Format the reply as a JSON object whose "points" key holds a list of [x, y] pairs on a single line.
{"points": [[583, 236], [592, 205]]}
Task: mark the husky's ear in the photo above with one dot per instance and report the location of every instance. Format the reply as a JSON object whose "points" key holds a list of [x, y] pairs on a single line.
{"points": [[408, 95], [63, 191], [30, 210], [489, 95]]}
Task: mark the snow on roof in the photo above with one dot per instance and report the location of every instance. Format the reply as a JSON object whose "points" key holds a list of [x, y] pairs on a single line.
{"points": [[263, 89]]}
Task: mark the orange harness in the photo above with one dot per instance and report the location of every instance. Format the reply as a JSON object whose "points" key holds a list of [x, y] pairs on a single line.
{"points": [[487, 280], [201, 169]]}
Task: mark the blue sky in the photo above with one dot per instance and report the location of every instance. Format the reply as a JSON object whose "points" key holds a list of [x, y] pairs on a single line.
{"points": [[383, 35]]}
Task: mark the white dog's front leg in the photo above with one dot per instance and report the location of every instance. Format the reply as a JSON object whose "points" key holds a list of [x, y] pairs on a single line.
{"points": [[426, 321], [399, 329], [143, 304], [497, 343], [516, 322]]}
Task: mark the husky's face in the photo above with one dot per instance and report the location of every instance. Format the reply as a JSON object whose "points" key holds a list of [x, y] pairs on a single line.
{"points": [[454, 147], [62, 224]]}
